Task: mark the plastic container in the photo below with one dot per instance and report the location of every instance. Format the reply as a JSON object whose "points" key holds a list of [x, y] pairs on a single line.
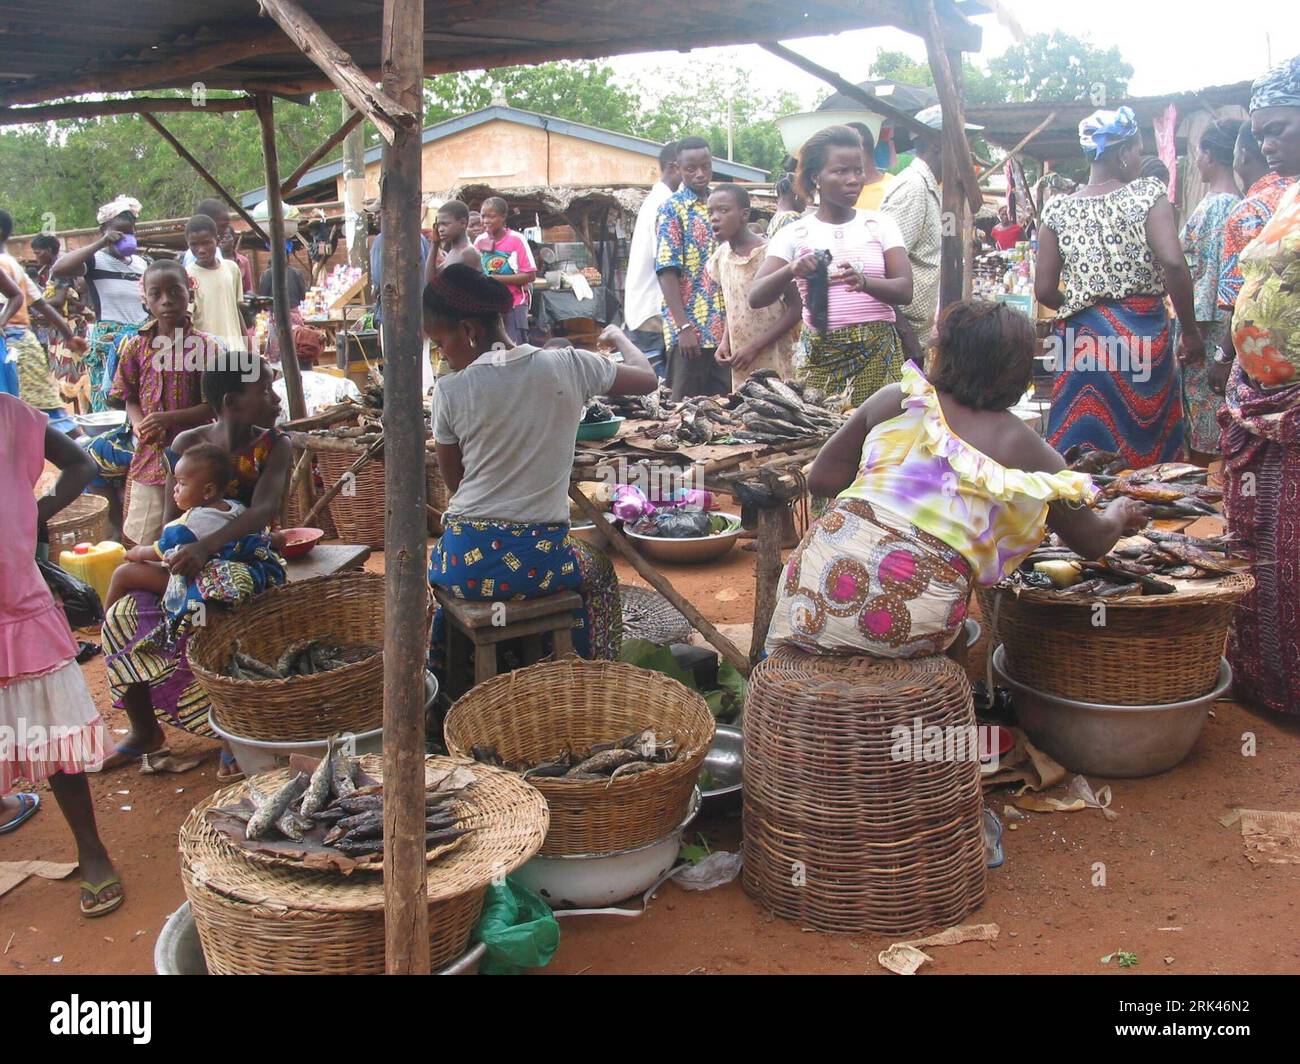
{"points": [[94, 563]]}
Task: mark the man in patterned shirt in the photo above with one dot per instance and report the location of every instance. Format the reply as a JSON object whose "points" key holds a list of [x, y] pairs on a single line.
{"points": [[913, 202], [693, 321]]}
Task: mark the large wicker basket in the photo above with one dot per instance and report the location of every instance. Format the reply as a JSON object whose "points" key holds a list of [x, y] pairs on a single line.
{"points": [[531, 714], [293, 514], [1139, 651], [343, 608], [844, 828], [258, 920], [358, 512], [84, 520]]}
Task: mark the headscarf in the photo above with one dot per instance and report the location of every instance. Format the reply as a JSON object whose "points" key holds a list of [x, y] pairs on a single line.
{"points": [[121, 205], [1280, 87], [1102, 129]]}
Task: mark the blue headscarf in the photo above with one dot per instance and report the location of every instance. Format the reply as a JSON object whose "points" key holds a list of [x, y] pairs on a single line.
{"points": [[1102, 129], [1280, 87]]}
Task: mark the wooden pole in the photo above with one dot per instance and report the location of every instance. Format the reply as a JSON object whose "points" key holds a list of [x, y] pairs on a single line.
{"points": [[767, 575], [12, 116], [1020, 146], [656, 580], [867, 99], [331, 142], [406, 910], [378, 105], [199, 168], [354, 194], [279, 259]]}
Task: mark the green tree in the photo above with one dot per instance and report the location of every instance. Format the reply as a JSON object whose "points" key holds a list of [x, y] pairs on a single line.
{"points": [[1055, 66]]}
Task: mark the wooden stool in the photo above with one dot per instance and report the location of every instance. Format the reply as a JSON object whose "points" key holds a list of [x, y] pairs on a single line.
{"points": [[482, 625]]}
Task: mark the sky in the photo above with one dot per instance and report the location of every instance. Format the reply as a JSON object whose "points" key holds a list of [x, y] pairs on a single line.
{"points": [[1169, 43]]}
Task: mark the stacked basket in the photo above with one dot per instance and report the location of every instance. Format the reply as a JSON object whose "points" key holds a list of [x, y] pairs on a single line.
{"points": [[260, 919], [1141, 650], [358, 515], [84, 520], [344, 608], [848, 826], [529, 715]]}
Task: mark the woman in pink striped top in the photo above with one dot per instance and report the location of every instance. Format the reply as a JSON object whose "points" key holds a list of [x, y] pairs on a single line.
{"points": [[848, 301]]}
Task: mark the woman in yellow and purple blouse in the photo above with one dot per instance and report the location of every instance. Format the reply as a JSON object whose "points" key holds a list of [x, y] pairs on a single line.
{"points": [[938, 486]]}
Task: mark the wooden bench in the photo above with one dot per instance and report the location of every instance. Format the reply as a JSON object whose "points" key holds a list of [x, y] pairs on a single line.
{"points": [[326, 559], [483, 625]]}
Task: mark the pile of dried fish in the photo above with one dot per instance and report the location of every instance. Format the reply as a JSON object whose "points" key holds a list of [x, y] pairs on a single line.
{"points": [[628, 756], [1170, 490], [596, 412], [304, 657], [354, 818]]}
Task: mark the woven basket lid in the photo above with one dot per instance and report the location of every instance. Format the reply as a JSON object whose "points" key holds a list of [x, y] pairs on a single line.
{"points": [[508, 816], [886, 680], [648, 615]]}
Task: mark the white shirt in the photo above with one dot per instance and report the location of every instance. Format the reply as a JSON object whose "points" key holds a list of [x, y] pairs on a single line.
{"points": [[643, 299], [319, 390]]}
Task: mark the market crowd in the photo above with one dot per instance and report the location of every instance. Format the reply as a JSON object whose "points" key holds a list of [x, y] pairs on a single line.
{"points": [[932, 487]]}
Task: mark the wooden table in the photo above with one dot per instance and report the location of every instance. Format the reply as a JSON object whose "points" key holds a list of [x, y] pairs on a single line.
{"points": [[325, 559]]}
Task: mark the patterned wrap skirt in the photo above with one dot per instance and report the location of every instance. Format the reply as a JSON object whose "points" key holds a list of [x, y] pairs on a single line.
{"points": [[503, 561], [104, 342], [863, 358], [867, 581]]}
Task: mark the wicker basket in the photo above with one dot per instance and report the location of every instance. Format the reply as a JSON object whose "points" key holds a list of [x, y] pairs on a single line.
{"points": [[84, 520], [648, 615], [258, 920], [344, 608], [359, 514], [841, 833], [1150, 650], [293, 514], [530, 714]]}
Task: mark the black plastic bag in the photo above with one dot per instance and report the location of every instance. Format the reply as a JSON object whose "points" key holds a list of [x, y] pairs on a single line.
{"points": [[79, 600]]}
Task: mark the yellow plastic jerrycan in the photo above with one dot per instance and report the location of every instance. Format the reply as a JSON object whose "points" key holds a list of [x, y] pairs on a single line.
{"points": [[94, 563]]}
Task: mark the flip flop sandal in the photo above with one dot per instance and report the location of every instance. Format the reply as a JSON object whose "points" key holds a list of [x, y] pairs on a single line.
{"points": [[132, 754], [229, 777], [97, 907], [28, 804]]}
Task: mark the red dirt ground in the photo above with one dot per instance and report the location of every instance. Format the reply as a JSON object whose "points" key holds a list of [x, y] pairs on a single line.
{"points": [[1169, 863]]}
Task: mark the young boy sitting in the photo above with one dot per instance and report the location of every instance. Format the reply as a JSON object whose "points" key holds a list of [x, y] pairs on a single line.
{"points": [[200, 481]]}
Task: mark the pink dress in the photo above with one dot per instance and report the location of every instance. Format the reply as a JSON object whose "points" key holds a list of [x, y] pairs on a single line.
{"points": [[44, 702]]}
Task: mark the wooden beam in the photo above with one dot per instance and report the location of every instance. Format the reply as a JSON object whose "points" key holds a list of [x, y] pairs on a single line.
{"points": [[196, 58], [406, 636], [202, 171], [12, 116], [331, 142], [947, 82], [376, 104], [1021, 145], [279, 260], [867, 99], [659, 582]]}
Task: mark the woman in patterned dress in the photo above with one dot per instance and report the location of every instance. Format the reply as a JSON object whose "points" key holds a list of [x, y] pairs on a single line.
{"points": [[152, 682], [1202, 241], [937, 486], [1113, 245]]}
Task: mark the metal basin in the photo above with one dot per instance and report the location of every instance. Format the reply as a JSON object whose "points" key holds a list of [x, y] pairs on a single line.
{"points": [[690, 550], [723, 763], [1114, 741], [596, 880]]}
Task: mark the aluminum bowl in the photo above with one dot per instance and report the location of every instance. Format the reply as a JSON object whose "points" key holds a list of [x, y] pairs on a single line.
{"points": [[691, 550], [590, 534], [723, 763], [597, 880], [1121, 742]]}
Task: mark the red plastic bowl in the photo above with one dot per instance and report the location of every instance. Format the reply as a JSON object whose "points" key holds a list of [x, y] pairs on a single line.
{"points": [[1002, 737], [298, 542]]}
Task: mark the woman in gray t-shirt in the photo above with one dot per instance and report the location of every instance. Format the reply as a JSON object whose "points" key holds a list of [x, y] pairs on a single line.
{"points": [[503, 423]]}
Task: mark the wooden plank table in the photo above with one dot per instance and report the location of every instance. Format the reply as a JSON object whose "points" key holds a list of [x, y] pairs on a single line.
{"points": [[326, 559]]}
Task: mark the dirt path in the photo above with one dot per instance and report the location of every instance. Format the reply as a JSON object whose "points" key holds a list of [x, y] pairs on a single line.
{"points": [[1169, 863]]}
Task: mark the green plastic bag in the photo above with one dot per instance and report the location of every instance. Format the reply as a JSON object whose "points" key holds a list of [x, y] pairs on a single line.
{"points": [[518, 928]]}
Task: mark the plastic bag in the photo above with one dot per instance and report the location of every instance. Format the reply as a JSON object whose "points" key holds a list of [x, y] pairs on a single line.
{"points": [[518, 928], [717, 869], [79, 600]]}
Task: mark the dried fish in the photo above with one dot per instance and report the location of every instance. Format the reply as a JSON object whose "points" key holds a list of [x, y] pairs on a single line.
{"points": [[284, 666], [293, 825], [318, 791], [341, 781], [269, 809], [604, 762]]}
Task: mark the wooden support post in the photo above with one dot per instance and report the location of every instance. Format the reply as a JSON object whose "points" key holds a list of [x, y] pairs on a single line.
{"points": [[1020, 146], [387, 113], [655, 579], [199, 168], [331, 142], [406, 909], [279, 259], [767, 575]]}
